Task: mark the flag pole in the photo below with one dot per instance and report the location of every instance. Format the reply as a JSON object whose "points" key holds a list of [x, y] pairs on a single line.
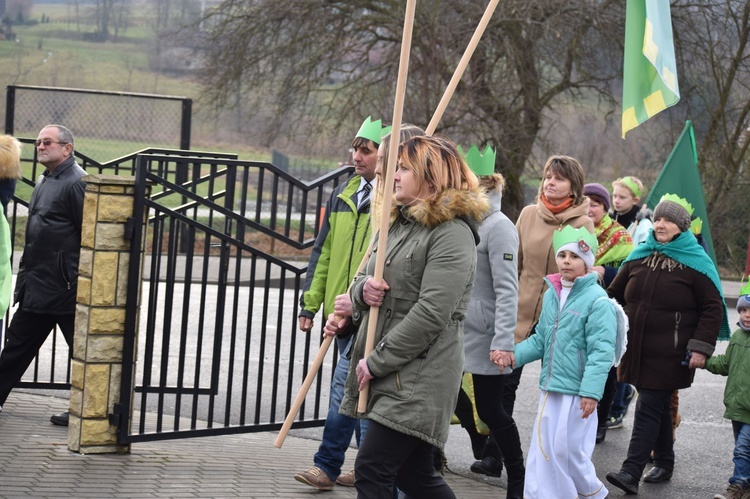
{"points": [[398, 110], [461, 68]]}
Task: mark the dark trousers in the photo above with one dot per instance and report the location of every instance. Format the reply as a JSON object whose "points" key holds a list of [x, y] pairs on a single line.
{"points": [[652, 429], [387, 457], [488, 394], [26, 335], [510, 385], [604, 407]]}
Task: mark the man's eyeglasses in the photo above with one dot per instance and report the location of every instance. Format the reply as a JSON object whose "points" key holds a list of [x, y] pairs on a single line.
{"points": [[47, 142]]}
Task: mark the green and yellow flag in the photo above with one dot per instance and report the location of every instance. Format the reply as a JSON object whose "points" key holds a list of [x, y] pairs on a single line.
{"points": [[649, 70], [680, 176]]}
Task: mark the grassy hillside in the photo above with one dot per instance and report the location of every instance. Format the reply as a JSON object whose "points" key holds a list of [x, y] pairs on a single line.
{"points": [[54, 53]]}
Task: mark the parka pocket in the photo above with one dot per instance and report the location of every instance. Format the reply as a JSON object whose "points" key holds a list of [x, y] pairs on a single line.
{"points": [[402, 384], [62, 265], [411, 265]]}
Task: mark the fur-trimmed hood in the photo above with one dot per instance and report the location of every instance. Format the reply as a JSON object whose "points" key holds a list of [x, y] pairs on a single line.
{"points": [[470, 206], [10, 157]]}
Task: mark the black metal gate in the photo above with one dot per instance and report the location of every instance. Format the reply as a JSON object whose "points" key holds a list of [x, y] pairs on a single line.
{"points": [[218, 350], [51, 367]]}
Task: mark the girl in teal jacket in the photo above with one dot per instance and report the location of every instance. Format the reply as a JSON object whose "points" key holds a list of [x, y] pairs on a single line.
{"points": [[575, 339]]}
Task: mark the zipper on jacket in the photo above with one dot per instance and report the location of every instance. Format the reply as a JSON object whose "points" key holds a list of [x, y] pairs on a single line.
{"points": [[677, 318], [365, 239], [552, 350], [398, 381], [63, 264]]}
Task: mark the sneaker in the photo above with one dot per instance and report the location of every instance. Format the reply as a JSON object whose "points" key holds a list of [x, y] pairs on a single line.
{"points": [[346, 479], [60, 419], [315, 477], [614, 423], [734, 491]]}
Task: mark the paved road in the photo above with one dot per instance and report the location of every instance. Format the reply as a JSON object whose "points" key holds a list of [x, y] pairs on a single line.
{"points": [[704, 452]]}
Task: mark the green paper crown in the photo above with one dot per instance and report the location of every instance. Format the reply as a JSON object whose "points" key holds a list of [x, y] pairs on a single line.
{"points": [[373, 130], [696, 226], [482, 164], [677, 199], [630, 183], [570, 235], [745, 289]]}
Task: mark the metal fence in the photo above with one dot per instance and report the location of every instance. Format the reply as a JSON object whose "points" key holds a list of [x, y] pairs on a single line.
{"points": [[219, 351], [103, 121]]}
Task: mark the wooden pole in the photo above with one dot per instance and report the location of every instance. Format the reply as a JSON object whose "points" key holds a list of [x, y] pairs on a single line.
{"points": [[314, 367], [461, 67], [317, 362], [398, 111], [386, 208]]}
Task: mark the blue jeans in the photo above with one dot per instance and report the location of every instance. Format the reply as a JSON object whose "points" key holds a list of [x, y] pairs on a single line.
{"points": [[741, 474], [338, 430], [619, 407]]}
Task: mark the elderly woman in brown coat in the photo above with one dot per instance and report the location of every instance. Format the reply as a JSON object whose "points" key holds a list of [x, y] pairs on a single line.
{"points": [[672, 296]]}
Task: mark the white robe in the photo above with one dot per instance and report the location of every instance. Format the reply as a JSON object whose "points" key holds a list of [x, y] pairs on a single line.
{"points": [[559, 462]]}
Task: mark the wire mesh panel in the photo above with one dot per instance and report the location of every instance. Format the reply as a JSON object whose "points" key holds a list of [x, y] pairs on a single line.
{"points": [[106, 124]]}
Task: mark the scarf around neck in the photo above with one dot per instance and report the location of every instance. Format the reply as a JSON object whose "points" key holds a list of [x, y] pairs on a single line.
{"points": [[555, 209], [685, 250], [614, 243]]}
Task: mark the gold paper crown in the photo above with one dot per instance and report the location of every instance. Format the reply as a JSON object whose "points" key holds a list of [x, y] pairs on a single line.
{"points": [[696, 226], [373, 130], [482, 164], [568, 235], [681, 201]]}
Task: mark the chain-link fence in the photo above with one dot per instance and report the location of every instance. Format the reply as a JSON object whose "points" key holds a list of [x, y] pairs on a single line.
{"points": [[106, 124]]}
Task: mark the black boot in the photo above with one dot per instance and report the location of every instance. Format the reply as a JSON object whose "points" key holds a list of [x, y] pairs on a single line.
{"points": [[601, 431], [491, 463], [465, 414], [510, 445]]}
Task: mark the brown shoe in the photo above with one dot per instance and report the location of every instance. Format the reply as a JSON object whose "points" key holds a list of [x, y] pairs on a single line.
{"points": [[315, 477], [346, 479], [733, 492]]}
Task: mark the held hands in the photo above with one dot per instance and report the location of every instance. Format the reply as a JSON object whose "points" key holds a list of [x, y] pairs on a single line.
{"points": [[697, 360], [335, 324], [503, 359], [373, 292], [588, 406], [363, 374]]}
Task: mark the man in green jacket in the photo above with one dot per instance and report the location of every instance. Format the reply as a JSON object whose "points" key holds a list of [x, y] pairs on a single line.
{"points": [[336, 255]]}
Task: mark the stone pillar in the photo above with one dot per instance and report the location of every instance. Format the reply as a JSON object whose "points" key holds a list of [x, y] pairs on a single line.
{"points": [[100, 314]]}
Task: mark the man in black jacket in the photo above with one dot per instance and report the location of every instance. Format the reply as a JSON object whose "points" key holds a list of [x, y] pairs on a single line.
{"points": [[48, 272]]}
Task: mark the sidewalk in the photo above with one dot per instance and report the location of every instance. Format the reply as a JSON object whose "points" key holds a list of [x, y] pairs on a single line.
{"points": [[35, 462]]}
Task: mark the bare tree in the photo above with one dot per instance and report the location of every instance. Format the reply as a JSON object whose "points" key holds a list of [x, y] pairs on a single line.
{"points": [[337, 61], [712, 40], [111, 14]]}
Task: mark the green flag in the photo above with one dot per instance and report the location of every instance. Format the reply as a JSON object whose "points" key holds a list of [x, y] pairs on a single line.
{"points": [[680, 176], [649, 77]]}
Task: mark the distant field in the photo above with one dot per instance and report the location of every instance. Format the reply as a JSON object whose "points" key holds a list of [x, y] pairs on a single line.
{"points": [[54, 54]]}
